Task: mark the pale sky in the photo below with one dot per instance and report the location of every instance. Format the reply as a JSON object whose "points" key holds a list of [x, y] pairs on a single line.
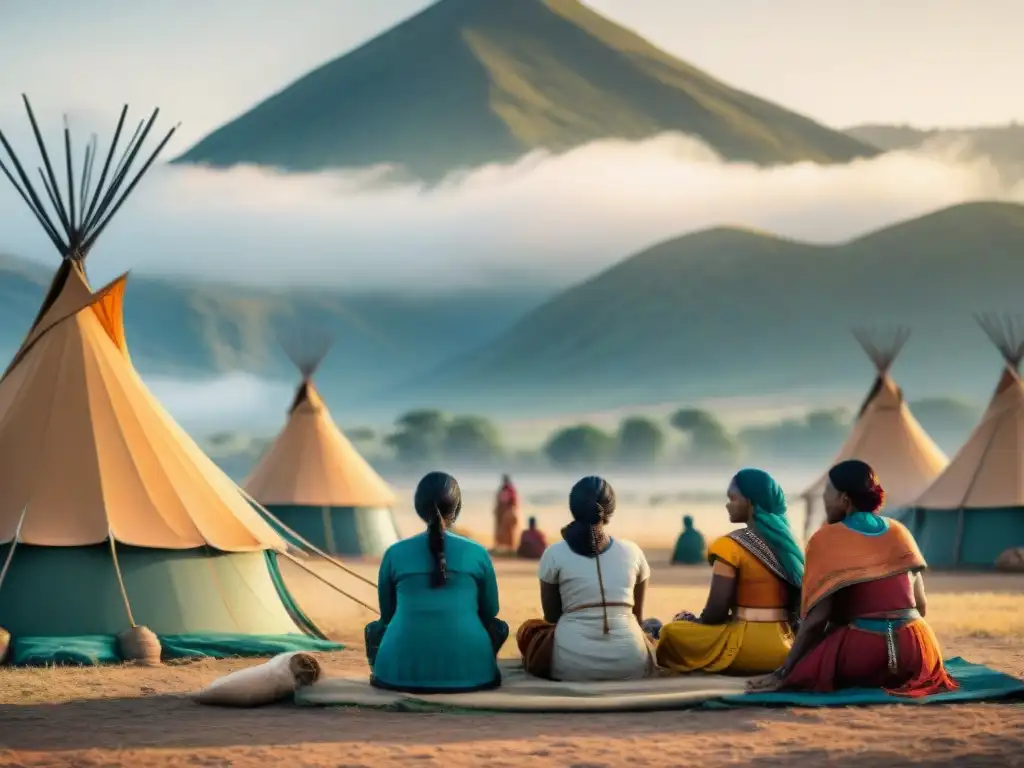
{"points": [[926, 62]]}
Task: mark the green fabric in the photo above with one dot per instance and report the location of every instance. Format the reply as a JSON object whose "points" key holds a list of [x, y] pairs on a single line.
{"points": [[691, 549], [977, 683], [436, 638], [770, 521], [867, 523], [225, 646], [84, 650], [986, 534], [91, 650], [73, 591], [299, 616], [882, 626], [347, 531]]}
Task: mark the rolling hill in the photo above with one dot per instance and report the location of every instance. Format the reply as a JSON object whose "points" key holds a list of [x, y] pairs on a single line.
{"points": [[735, 312], [1002, 144], [189, 329], [470, 82]]}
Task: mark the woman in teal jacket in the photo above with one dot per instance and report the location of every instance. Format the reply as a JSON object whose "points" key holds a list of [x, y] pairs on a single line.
{"points": [[438, 630]]}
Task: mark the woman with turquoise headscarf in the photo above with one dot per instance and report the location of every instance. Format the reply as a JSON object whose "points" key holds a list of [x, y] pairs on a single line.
{"points": [[746, 626]]}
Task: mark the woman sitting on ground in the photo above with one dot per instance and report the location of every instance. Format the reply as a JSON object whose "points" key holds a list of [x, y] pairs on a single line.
{"points": [[746, 625], [863, 602], [532, 542], [438, 629], [690, 546], [592, 591]]}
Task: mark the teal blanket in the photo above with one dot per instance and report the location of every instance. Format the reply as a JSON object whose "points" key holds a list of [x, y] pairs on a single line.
{"points": [[977, 683], [91, 650], [519, 692]]}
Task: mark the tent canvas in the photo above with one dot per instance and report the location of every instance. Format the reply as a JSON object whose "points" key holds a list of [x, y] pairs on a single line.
{"points": [[314, 481], [885, 435], [111, 517], [975, 509]]}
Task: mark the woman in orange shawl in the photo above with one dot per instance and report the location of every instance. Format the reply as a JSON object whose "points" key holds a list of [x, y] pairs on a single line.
{"points": [[863, 601]]}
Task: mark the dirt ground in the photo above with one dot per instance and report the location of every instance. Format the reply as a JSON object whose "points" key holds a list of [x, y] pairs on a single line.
{"points": [[129, 716]]}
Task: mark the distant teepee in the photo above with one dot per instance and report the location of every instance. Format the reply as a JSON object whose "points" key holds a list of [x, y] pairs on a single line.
{"points": [[314, 481], [111, 517], [885, 435], [975, 509]]}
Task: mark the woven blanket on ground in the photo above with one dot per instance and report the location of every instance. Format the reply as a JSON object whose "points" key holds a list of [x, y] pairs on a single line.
{"points": [[521, 693]]}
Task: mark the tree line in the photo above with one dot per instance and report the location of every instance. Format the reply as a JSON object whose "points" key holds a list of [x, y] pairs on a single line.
{"points": [[693, 435], [688, 435]]}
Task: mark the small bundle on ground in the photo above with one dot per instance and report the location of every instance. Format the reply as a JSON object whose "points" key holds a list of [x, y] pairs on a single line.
{"points": [[266, 683]]}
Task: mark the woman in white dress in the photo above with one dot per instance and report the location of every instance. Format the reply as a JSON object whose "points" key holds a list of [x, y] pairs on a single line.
{"points": [[592, 591]]}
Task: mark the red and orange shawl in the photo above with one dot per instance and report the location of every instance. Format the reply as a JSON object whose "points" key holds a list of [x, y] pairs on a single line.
{"points": [[837, 556]]}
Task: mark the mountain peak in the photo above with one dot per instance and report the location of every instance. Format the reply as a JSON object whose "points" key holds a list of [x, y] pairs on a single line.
{"points": [[468, 82]]}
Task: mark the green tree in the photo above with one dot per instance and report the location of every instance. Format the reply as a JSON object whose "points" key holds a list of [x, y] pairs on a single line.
{"points": [[472, 439], [815, 434], [419, 437], [709, 440], [579, 445], [640, 440]]}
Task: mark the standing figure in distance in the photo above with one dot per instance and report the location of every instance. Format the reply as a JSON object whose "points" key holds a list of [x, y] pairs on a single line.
{"points": [[506, 517]]}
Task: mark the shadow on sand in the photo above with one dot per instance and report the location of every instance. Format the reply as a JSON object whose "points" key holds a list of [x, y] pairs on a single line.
{"points": [[176, 722]]}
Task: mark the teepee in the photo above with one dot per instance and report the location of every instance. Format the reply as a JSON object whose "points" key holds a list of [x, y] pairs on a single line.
{"points": [[885, 435], [314, 481], [975, 509], [111, 517]]}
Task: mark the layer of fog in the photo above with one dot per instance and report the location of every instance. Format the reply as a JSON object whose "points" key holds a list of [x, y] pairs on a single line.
{"points": [[547, 220], [255, 405], [234, 402]]}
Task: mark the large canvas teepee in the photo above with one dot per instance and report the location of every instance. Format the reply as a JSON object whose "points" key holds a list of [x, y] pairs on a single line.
{"points": [[111, 517], [315, 482], [885, 435], [975, 509]]}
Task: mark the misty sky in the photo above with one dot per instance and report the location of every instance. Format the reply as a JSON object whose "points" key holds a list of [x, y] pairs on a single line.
{"points": [[928, 62], [545, 221]]}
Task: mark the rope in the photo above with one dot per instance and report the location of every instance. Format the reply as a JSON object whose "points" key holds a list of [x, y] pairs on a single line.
{"points": [[120, 580], [337, 589], [14, 544], [604, 601], [311, 547]]}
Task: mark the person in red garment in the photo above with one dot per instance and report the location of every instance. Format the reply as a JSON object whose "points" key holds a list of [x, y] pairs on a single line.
{"points": [[863, 602], [532, 542], [506, 518]]}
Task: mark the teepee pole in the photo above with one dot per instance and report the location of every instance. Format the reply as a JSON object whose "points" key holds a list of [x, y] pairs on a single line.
{"points": [[62, 213], [96, 193]]}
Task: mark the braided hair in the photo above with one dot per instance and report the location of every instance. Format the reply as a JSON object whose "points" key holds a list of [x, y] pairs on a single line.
{"points": [[438, 501], [592, 503]]}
